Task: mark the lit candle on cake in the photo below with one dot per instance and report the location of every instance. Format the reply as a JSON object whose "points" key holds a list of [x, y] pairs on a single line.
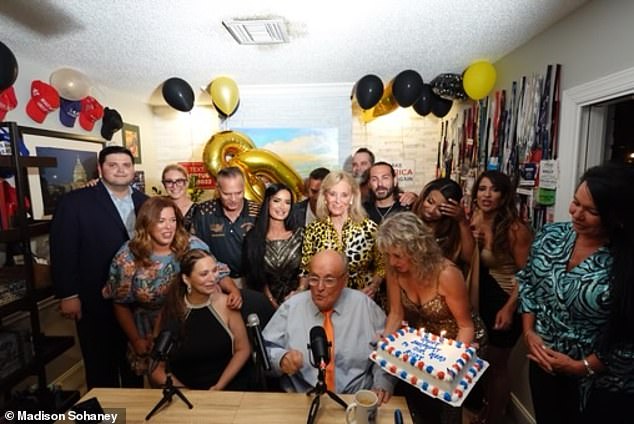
{"points": [[442, 335]]}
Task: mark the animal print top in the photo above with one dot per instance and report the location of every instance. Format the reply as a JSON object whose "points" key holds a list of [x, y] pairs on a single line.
{"points": [[358, 243]]}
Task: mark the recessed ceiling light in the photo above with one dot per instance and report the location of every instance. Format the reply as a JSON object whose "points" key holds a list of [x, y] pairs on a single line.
{"points": [[257, 31]]}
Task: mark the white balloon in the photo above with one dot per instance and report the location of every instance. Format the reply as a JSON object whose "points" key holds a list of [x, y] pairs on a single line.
{"points": [[70, 83]]}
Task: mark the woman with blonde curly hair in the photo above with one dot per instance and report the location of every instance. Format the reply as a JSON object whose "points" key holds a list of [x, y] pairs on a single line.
{"points": [[425, 289], [141, 271], [343, 225]]}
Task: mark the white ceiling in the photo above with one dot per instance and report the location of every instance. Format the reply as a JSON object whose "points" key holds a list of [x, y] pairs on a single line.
{"points": [[134, 45]]}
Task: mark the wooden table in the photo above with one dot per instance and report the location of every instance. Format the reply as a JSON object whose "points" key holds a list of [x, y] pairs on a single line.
{"points": [[233, 407]]}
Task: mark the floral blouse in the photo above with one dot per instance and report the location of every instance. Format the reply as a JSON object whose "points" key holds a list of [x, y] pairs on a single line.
{"points": [[358, 243], [145, 287]]}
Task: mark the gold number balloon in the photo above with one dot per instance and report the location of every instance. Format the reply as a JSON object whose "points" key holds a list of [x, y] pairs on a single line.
{"points": [[233, 148]]}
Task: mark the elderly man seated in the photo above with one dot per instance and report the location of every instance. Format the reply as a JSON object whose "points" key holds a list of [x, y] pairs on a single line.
{"points": [[353, 317]]}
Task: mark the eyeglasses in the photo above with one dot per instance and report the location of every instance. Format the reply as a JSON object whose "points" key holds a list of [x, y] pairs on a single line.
{"points": [[171, 183], [314, 280]]}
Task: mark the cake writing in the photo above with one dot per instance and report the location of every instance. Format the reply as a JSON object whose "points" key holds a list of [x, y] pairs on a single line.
{"points": [[425, 349]]}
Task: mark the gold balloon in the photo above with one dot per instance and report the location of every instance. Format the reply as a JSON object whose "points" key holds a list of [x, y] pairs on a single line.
{"points": [[386, 105], [233, 148], [224, 94], [264, 163], [223, 146]]}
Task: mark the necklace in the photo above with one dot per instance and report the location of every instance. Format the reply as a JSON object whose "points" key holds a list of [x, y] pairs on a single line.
{"points": [[383, 215], [190, 305]]}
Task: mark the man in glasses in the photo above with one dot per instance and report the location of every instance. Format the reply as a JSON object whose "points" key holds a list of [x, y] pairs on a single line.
{"points": [[355, 323]]}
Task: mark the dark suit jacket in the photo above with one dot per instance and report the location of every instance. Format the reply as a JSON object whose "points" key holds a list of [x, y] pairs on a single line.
{"points": [[298, 214], [86, 232]]}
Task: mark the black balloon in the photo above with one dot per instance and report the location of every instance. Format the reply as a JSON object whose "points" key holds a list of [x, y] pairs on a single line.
{"points": [[369, 91], [8, 67], [407, 87], [424, 103], [221, 115], [178, 94], [441, 106]]}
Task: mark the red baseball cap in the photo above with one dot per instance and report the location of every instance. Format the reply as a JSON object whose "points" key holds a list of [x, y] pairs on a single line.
{"points": [[91, 111], [44, 99], [8, 101]]}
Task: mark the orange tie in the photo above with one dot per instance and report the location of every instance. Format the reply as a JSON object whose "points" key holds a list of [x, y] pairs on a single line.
{"points": [[330, 368]]}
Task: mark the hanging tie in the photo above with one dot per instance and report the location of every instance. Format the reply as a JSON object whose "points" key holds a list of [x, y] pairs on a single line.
{"points": [[330, 368]]}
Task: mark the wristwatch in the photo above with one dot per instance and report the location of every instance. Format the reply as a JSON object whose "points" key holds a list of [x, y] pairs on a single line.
{"points": [[589, 370]]}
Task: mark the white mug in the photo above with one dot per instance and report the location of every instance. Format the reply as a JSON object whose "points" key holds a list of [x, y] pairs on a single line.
{"points": [[363, 409]]}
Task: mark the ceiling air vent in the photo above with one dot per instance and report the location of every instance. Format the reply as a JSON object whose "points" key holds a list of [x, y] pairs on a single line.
{"points": [[257, 31]]}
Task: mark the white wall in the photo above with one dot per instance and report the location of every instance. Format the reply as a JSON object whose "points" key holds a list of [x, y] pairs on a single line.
{"points": [[182, 136], [591, 43], [132, 109]]}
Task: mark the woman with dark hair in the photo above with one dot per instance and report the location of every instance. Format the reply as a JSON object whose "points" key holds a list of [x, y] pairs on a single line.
{"points": [[211, 340], [439, 207], [141, 271], [504, 241], [272, 248], [576, 299]]}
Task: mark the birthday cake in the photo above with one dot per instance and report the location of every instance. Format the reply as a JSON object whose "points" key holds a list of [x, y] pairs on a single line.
{"points": [[439, 367]]}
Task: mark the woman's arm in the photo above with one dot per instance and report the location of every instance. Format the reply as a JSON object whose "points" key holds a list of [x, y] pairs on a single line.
{"points": [[520, 238], [234, 297], [241, 350], [395, 317], [124, 316], [452, 286]]}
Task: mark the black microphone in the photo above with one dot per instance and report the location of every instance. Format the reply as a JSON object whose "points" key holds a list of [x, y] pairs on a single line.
{"points": [[319, 345], [398, 416], [253, 325], [167, 339], [162, 345]]}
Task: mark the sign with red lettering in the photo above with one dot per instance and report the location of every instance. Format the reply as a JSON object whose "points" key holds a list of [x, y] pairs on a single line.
{"points": [[204, 180], [405, 171]]}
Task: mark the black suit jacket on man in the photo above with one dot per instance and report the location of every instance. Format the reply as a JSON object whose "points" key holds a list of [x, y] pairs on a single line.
{"points": [[298, 214], [86, 232]]}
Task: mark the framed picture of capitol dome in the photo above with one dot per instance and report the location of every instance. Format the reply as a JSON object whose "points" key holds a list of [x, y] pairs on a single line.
{"points": [[77, 158]]}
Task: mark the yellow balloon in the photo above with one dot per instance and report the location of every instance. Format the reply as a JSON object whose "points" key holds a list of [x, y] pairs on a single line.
{"points": [[224, 94], [478, 80]]}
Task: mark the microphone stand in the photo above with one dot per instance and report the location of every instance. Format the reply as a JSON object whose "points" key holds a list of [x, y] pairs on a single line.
{"points": [[260, 374], [169, 390], [319, 389]]}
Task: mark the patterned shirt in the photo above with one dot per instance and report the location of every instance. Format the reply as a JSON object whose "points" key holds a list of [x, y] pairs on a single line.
{"points": [[358, 243], [225, 238], [572, 307], [145, 287]]}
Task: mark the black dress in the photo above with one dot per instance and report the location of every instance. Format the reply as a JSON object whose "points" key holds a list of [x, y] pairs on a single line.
{"points": [[205, 349]]}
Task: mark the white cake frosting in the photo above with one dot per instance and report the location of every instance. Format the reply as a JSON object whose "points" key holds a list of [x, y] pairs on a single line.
{"points": [[438, 366]]}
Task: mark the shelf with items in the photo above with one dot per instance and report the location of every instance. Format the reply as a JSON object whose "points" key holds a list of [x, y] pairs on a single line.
{"points": [[34, 229], [24, 283]]}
